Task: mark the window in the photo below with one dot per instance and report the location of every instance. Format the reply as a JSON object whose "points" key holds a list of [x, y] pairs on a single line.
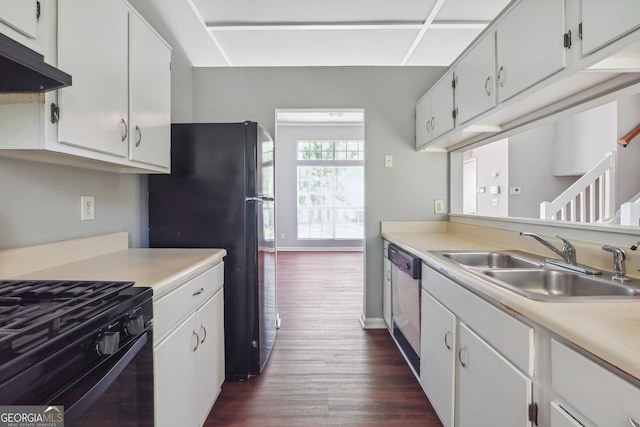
{"points": [[330, 189]]}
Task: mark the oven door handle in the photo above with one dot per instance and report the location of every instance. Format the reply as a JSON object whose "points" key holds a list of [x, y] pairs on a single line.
{"points": [[77, 408]]}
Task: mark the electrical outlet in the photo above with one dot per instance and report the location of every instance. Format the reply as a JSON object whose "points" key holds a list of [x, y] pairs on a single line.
{"points": [[438, 206], [283, 236], [87, 208], [515, 191]]}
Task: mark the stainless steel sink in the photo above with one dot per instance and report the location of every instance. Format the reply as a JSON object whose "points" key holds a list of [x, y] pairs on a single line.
{"points": [[490, 259], [554, 285]]}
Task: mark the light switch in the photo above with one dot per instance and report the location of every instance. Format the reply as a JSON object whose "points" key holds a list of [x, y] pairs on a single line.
{"points": [[494, 189], [388, 161], [494, 202], [438, 206]]}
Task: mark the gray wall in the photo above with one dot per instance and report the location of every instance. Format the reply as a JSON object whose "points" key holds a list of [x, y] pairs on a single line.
{"points": [[286, 182], [388, 95], [41, 203], [531, 169]]}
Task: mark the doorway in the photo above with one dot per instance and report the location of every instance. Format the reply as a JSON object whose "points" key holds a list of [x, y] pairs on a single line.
{"points": [[320, 179]]}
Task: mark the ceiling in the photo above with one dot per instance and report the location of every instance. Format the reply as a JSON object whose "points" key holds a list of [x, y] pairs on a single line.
{"points": [[256, 33]]}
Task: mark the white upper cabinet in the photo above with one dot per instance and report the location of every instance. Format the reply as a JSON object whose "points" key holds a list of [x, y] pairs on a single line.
{"points": [[150, 85], [475, 75], [120, 102], [21, 15], [93, 48], [434, 111], [423, 121], [442, 106], [605, 21], [529, 45]]}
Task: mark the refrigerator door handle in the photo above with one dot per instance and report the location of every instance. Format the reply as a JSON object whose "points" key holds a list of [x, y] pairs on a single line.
{"points": [[260, 199], [267, 198]]}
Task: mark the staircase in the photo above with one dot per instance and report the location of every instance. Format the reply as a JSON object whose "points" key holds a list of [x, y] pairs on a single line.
{"points": [[590, 199], [630, 212]]}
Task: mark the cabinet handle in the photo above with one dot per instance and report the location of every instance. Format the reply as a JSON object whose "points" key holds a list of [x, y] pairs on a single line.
{"points": [[198, 292], [428, 126], [433, 123], [124, 130], [446, 343], [634, 423], [464, 347], [197, 342], [487, 86], [500, 81], [139, 132], [388, 274], [204, 333]]}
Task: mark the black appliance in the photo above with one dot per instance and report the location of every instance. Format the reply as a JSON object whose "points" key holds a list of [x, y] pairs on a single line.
{"points": [[220, 194], [86, 346], [24, 70]]}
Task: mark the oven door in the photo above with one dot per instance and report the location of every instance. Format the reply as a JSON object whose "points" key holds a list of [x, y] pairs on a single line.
{"points": [[117, 392]]}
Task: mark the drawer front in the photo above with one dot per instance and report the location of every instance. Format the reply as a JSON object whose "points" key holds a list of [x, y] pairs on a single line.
{"points": [[169, 310], [604, 398], [511, 337]]}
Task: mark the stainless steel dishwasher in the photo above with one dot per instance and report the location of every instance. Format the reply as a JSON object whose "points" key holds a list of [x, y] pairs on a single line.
{"points": [[405, 301]]}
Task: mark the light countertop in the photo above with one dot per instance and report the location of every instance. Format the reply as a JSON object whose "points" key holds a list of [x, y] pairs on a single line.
{"points": [[609, 330], [107, 258]]}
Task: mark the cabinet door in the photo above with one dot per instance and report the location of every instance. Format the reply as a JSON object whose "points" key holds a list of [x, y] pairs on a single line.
{"points": [[424, 121], [475, 81], [442, 106], [386, 292], [560, 417], [150, 85], [176, 377], [490, 391], [605, 21], [93, 48], [211, 352], [20, 15], [437, 360], [603, 397], [529, 44]]}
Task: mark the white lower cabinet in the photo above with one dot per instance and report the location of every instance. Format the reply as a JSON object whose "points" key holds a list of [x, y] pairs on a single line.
{"points": [[490, 391], [438, 338], [476, 364], [386, 288], [594, 395], [561, 418], [189, 353]]}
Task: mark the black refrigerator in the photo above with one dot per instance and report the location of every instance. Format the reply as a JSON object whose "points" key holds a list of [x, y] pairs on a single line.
{"points": [[220, 194]]}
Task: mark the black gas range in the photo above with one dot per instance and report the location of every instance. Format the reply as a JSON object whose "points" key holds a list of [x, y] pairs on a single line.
{"points": [[86, 346]]}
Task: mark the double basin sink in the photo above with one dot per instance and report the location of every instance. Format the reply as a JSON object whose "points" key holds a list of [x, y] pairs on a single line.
{"points": [[530, 276]]}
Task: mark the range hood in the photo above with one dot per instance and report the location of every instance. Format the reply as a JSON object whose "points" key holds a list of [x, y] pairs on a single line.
{"points": [[23, 70]]}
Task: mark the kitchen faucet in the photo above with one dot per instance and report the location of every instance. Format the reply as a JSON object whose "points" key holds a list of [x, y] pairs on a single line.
{"points": [[635, 245], [567, 253], [619, 257]]}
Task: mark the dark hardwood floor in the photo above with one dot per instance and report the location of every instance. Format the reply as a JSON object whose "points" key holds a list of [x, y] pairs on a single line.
{"points": [[325, 370]]}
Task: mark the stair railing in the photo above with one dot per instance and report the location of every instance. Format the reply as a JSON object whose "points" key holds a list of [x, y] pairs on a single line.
{"points": [[590, 199]]}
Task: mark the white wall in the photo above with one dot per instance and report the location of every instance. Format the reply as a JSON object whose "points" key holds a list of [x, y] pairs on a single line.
{"points": [[388, 96], [492, 171], [582, 140], [40, 203], [286, 183], [628, 158]]}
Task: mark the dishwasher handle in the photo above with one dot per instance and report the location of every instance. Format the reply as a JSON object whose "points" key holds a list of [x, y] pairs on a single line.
{"points": [[407, 263]]}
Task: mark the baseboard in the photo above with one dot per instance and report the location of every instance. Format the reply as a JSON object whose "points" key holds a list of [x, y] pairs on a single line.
{"points": [[372, 322], [317, 249]]}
